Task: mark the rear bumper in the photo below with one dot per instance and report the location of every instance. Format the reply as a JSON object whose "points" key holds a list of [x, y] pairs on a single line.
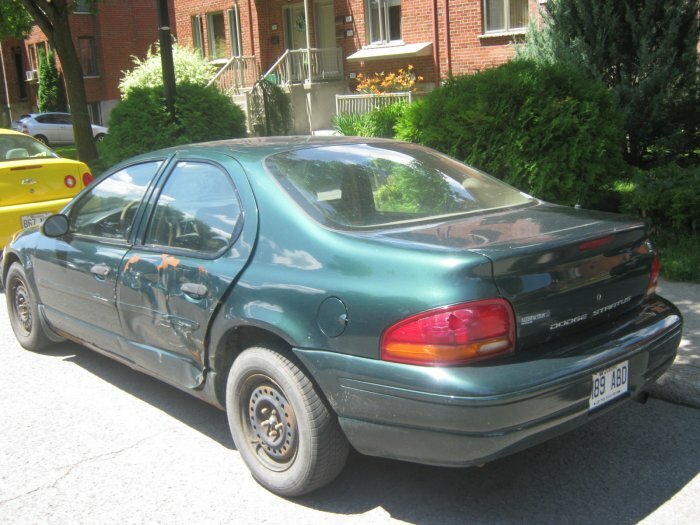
{"points": [[10, 216], [469, 415]]}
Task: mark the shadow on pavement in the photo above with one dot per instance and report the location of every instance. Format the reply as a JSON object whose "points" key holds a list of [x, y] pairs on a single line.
{"points": [[617, 469]]}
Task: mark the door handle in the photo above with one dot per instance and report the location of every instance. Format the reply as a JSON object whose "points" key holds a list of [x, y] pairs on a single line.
{"points": [[100, 270], [194, 290]]}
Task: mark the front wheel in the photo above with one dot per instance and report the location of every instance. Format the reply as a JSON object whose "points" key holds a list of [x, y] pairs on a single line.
{"points": [[23, 311], [287, 436]]}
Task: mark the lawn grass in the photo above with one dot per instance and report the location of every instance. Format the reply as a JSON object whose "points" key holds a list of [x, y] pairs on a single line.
{"points": [[680, 256], [67, 152]]}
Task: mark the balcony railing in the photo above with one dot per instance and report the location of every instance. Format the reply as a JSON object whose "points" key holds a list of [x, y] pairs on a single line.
{"points": [[361, 104], [237, 74], [307, 65]]}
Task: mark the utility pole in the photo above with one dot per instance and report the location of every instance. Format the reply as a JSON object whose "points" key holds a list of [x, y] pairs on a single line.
{"points": [[166, 54]]}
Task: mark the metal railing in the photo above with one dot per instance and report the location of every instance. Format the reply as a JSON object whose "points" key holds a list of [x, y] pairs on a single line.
{"points": [[307, 65], [238, 73], [361, 104]]}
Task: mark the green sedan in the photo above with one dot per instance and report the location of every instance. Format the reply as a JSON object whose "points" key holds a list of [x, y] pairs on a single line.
{"points": [[329, 292]]}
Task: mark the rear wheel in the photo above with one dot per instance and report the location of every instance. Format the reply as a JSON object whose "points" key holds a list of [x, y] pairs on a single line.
{"points": [[23, 311], [42, 138], [289, 439]]}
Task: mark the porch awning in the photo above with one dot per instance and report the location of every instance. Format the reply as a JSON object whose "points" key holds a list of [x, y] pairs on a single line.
{"points": [[392, 51]]}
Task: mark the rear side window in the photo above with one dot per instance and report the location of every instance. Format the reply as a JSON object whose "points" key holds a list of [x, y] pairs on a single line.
{"points": [[382, 184], [198, 209], [109, 208]]}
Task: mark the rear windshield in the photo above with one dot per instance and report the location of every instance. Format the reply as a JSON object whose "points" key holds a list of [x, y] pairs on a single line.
{"points": [[377, 185], [17, 147]]}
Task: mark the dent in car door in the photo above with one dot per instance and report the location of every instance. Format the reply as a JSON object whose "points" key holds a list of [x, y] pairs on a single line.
{"points": [[77, 274], [195, 245]]}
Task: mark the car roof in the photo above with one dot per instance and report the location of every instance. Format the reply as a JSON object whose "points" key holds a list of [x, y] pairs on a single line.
{"points": [[4, 131], [260, 147]]}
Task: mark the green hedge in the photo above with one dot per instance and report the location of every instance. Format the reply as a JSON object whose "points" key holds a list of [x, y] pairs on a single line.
{"points": [[667, 196], [543, 128], [141, 122]]}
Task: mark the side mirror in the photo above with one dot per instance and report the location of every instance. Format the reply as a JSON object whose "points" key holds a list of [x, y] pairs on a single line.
{"points": [[55, 226]]}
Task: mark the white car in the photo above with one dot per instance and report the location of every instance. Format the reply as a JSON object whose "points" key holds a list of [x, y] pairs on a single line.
{"points": [[53, 128]]}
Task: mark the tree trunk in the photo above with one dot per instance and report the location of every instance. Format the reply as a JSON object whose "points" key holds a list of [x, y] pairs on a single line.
{"points": [[73, 74], [52, 17]]}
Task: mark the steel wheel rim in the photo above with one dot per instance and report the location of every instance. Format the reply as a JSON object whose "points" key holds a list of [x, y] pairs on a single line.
{"points": [[21, 306], [269, 422]]}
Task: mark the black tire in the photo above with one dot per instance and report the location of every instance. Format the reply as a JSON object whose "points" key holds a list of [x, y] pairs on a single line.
{"points": [[287, 436], [41, 138], [23, 312]]}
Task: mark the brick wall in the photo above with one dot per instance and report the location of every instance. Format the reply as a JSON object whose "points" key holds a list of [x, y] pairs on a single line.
{"points": [[470, 50], [121, 30]]}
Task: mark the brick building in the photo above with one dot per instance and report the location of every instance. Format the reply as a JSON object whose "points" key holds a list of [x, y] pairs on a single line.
{"points": [[346, 37], [105, 41]]}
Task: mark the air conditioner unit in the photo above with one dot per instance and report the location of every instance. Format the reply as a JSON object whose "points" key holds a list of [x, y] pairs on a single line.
{"points": [[31, 75]]}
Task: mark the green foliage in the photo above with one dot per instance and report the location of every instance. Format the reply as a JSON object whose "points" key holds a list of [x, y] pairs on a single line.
{"points": [[141, 122], [15, 21], [190, 68], [542, 128], [379, 122], [270, 110], [645, 51], [50, 95], [680, 256], [667, 196], [348, 124]]}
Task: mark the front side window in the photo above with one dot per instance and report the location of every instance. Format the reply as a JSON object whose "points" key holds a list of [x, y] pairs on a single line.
{"points": [[380, 185], [216, 33], [198, 209], [505, 15], [108, 210], [88, 56], [383, 21]]}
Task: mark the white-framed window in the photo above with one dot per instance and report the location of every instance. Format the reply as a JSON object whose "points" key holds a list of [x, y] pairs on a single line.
{"points": [[197, 34], [505, 15], [216, 35], [234, 27], [383, 21]]}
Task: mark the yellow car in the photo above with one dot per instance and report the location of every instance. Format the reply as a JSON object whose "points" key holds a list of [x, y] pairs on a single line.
{"points": [[34, 182]]}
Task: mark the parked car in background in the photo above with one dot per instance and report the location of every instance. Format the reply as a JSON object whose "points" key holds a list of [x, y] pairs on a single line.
{"points": [[335, 291], [53, 128], [34, 182]]}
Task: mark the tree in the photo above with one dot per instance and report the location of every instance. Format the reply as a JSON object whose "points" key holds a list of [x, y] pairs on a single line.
{"points": [[15, 22], [50, 95], [645, 51], [52, 17]]}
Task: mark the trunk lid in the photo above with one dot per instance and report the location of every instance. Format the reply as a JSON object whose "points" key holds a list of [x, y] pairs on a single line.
{"points": [[563, 270], [34, 180]]}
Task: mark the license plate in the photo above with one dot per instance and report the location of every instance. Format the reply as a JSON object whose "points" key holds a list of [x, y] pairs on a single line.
{"points": [[33, 220], [609, 384]]}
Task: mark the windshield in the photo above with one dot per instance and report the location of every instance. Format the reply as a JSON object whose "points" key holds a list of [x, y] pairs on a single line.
{"points": [[374, 185], [17, 147]]}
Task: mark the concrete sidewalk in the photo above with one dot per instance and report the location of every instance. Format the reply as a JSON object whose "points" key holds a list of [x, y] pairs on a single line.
{"points": [[681, 383]]}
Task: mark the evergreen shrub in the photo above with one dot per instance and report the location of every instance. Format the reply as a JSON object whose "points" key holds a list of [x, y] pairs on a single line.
{"points": [[141, 122], [541, 127], [667, 196]]}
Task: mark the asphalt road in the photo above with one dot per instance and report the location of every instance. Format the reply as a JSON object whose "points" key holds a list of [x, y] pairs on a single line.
{"points": [[86, 440]]}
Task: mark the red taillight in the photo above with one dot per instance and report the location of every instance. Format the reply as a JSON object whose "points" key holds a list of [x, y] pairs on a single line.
{"points": [[654, 276], [452, 335], [87, 178], [69, 181]]}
